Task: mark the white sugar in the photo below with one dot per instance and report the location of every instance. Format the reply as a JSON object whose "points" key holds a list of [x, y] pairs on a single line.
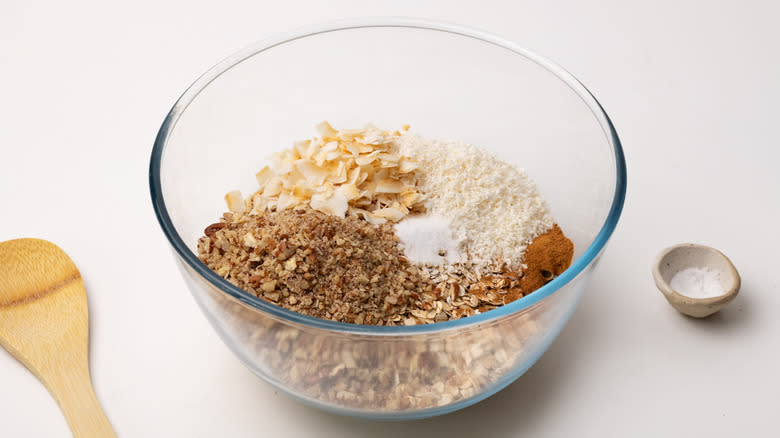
{"points": [[697, 283], [428, 239]]}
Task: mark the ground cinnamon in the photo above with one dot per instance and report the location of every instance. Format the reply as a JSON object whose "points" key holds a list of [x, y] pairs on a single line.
{"points": [[546, 257]]}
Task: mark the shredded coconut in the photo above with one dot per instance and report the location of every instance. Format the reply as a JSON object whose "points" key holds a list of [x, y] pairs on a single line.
{"points": [[494, 207]]}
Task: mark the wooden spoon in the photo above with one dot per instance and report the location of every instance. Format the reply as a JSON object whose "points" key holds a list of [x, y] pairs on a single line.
{"points": [[43, 323]]}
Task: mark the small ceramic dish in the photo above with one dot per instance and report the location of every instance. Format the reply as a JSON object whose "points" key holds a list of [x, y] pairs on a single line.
{"points": [[690, 255]]}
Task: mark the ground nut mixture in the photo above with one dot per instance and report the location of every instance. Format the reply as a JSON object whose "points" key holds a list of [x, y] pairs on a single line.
{"points": [[321, 235], [342, 269]]}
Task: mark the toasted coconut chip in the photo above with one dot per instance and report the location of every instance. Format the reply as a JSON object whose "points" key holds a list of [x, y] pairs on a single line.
{"points": [[364, 148], [350, 191], [235, 202], [390, 158], [389, 213], [353, 175], [338, 176], [389, 186], [319, 158], [303, 191], [408, 198], [349, 134], [336, 204], [407, 165], [292, 179], [284, 168], [273, 187], [373, 138], [286, 201], [353, 149], [302, 147], [264, 176], [370, 218], [367, 158], [312, 149], [330, 146], [259, 203], [357, 171], [368, 189], [362, 176], [382, 174], [362, 200], [326, 130], [332, 155], [314, 174]]}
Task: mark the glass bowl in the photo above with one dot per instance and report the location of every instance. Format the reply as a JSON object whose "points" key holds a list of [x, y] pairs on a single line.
{"points": [[448, 82]]}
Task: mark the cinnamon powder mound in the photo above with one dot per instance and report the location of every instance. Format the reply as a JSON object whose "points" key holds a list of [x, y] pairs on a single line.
{"points": [[546, 257]]}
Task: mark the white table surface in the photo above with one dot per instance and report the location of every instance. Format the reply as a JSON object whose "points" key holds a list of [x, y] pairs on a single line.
{"points": [[693, 91]]}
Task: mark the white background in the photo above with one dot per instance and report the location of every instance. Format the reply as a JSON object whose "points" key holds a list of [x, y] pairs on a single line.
{"points": [[691, 86]]}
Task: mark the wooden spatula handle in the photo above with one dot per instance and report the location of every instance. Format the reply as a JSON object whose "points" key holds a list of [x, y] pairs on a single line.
{"points": [[72, 388]]}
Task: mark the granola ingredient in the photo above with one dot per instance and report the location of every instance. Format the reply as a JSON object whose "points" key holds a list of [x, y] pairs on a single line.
{"points": [[352, 171], [471, 232], [428, 239], [413, 373], [698, 283], [494, 207], [345, 269], [342, 269], [547, 257]]}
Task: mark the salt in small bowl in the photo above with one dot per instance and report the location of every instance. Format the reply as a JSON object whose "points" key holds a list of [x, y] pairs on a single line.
{"points": [[690, 255]]}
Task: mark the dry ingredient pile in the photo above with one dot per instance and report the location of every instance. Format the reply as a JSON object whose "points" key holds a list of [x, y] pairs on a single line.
{"points": [[698, 283], [378, 227], [494, 208]]}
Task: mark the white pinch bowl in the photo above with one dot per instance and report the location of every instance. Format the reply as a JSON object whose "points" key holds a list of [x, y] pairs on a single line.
{"points": [[690, 255]]}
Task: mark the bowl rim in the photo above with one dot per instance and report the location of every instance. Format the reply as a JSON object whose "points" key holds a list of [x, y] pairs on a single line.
{"points": [[192, 261]]}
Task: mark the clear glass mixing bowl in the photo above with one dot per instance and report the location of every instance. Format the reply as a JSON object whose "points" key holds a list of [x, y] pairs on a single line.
{"points": [[448, 82]]}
